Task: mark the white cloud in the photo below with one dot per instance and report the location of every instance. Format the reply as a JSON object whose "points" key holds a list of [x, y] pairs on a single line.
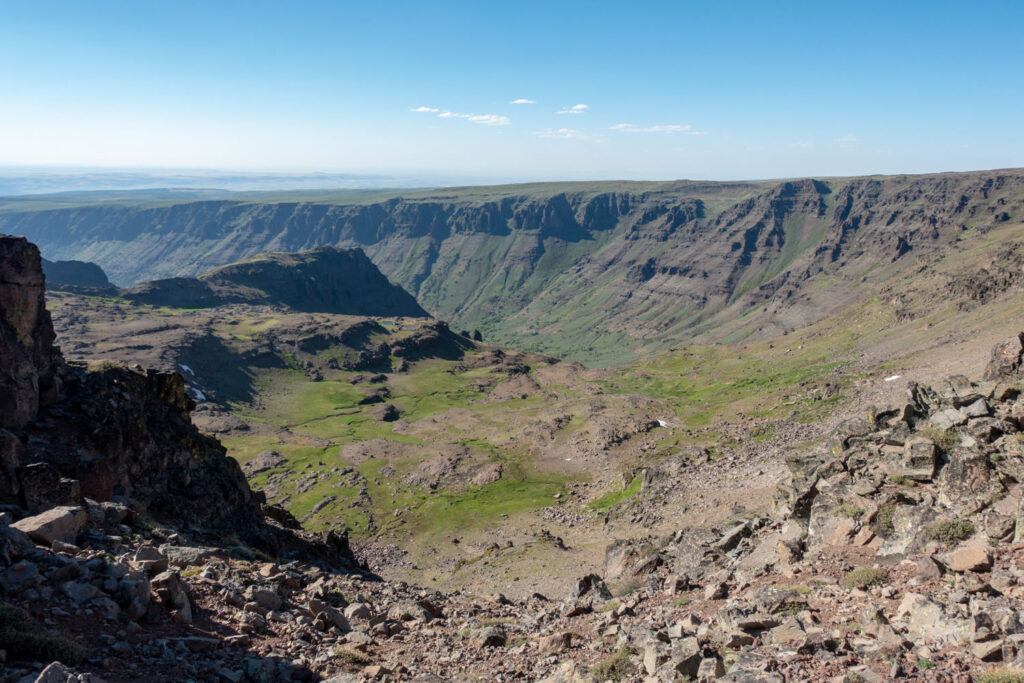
{"points": [[800, 145], [491, 120], [485, 119], [847, 139], [665, 128], [426, 109], [574, 109], [562, 134], [523, 100]]}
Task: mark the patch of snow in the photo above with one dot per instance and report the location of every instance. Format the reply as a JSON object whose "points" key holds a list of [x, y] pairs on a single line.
{"points": [[186, 369], [893, 378], [662, 423], [197, 395]]}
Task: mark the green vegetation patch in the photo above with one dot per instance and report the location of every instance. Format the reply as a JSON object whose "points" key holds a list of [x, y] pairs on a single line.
{"points": [[865, 576], [617, 667], [951, 531], [882, 524], [1001, 674], [945, 440], [851, 511], [615, 497], [515, 492]]}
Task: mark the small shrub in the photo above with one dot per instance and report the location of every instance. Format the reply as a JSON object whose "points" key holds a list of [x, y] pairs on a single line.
{"points": [[24, 640], [925, 664], [951, 531], [945, 440], [351, 657], [898, 479], [627, 586], [851, 511], [883, 524], [865, 576], [616, 667], [1001, 674], [516, 641], [609, 606], [681, 601], [791, 609]]}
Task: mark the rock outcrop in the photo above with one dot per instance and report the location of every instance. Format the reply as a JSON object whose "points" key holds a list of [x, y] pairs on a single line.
{"points": [[29, 361]]}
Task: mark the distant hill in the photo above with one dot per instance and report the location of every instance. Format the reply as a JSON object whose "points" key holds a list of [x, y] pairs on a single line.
{"points": [[599, 272], [74, 274], [324, 280]]}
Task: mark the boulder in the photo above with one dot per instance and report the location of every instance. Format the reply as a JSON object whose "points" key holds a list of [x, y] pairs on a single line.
{"points": [[410, 611], [148, 559], [58, 673], [187, 556], [358, 610], [172, 593], [19, 577], [491, 637], [948, 418], [591, 585], [556, 643], [57, 524], [927, 619], [967, 483], [264, 597], [971, 556], [570, 672], [14, 544], [919, 459], [686, 656], [1006, 359], [79, 592], [928, 569]]}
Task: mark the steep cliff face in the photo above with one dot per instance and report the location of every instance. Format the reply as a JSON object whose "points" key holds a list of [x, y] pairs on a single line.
{"points": [[26, 334], [569, 268]]}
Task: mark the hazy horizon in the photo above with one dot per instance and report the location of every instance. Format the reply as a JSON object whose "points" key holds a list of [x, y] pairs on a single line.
{"points": [[41, 180]]}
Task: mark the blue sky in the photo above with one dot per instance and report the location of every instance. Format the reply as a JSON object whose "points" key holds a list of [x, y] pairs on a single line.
{"points": [[718, 90]]}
